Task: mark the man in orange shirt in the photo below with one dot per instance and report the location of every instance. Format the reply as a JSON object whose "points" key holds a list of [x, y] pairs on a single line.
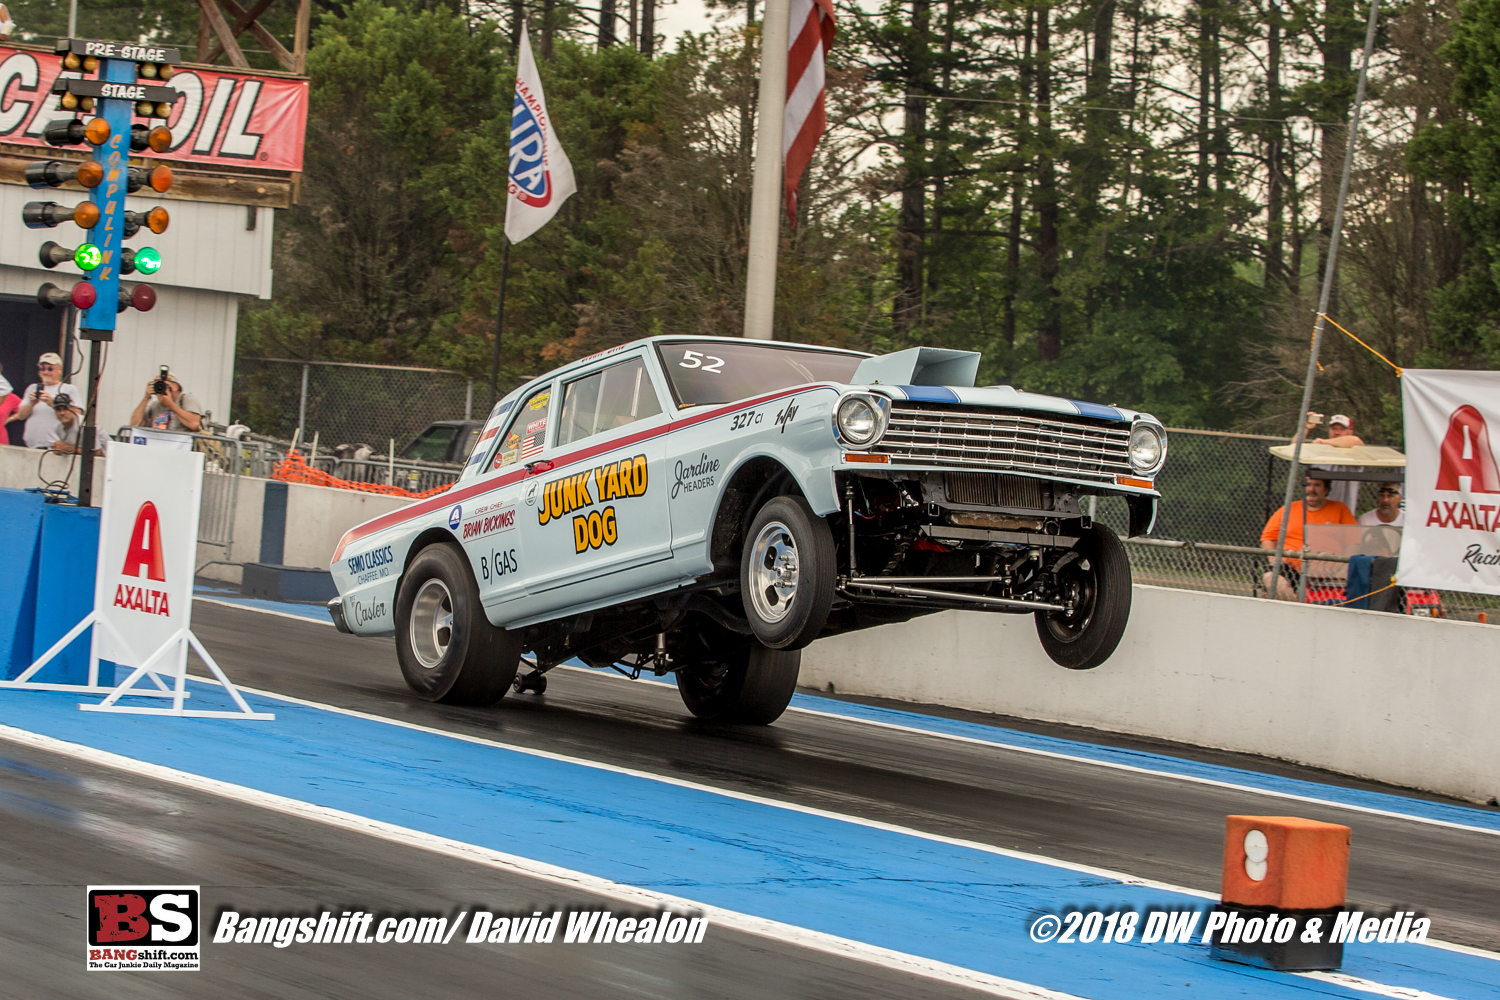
{"points": [[1315, 509]]}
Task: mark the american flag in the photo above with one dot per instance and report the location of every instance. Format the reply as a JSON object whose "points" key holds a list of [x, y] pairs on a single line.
{"points": [[809, 40], [532, 443]]}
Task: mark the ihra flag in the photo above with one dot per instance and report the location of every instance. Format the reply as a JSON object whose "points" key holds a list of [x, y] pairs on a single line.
{"points": [[541, 178], [1451, 541]]}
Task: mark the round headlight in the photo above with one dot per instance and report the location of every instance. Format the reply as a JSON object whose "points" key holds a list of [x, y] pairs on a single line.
{"points": [[1146, 447], [858, 422]]}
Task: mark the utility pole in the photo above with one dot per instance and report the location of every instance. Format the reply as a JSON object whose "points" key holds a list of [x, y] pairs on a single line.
{"points": [[765, 199]]}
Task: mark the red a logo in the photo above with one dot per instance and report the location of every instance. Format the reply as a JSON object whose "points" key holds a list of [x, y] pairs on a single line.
{"points": [[121, 917], [1466, 454], [145, 546]]}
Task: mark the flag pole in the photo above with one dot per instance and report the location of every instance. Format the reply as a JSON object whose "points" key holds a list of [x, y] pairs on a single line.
{"points": [[499, 325], [765, 199], [1330, 271]]}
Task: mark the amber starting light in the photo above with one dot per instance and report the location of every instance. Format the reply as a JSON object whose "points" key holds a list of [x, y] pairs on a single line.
{"points": [[157, 219], [160, 178], [87, 215], [90, 173], [160, 139], [97, 131]]}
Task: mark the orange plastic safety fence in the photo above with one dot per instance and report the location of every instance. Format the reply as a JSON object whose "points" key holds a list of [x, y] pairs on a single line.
{"points": [[294, 469]]}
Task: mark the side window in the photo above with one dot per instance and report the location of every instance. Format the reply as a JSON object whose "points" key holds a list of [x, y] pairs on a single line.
{"points": [[618, 395], [527, 434], [431, 445]]}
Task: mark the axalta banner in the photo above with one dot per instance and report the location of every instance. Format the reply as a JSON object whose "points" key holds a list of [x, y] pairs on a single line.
{"points": [[1451, 541], [230, 119], [148, 538]]}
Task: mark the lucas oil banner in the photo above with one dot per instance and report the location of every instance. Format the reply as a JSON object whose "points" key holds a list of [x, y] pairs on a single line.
{"points": [[227, 119], [1452, 535]]}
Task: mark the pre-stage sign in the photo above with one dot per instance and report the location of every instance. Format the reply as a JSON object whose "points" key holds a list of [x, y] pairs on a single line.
{"points": [[220, 118], [1451, 541]]}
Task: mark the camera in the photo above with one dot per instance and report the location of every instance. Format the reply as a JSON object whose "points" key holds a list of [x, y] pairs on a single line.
{"points": [[160, 385]]}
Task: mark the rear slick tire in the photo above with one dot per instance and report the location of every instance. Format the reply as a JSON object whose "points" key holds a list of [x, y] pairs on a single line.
{"points": [[1099, 585], [752, 687], [447, 648]]}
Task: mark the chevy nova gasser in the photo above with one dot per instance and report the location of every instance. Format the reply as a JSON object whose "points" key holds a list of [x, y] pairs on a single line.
{"points": [[708, 506]]}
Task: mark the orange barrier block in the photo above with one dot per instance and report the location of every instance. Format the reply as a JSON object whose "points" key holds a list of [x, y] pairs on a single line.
{"points": [[294, 469], [1285, 863]]}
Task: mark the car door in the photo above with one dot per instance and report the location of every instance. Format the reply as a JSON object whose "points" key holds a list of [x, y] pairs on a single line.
{"points": [[597, 522], [488, 526]]}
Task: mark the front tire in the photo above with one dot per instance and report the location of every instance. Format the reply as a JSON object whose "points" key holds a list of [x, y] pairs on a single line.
{"points": [[752, 684], [788, 570], [1098, 585], [447, 648]]}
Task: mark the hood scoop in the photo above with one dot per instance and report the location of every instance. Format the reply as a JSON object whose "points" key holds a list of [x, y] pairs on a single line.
{"points": [[919, 366]]}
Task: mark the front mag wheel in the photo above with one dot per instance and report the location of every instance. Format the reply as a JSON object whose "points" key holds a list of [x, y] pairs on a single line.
{"points": [[787, 573], [447, 648], [1096, 585], [749, 684]]}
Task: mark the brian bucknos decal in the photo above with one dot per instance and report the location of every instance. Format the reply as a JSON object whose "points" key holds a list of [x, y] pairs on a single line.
{"points": [[147, 928], [488, 521]]}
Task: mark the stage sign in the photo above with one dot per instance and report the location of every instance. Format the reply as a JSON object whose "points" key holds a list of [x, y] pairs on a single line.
{"points": [[1451, 540], [224, 118]]}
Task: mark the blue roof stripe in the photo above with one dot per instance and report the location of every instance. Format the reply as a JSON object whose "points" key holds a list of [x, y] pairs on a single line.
{"points": [[1096, 410], [929, 393]]}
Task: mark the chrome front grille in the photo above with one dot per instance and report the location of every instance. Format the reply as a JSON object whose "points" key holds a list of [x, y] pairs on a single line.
{"points": [[923, 434]]}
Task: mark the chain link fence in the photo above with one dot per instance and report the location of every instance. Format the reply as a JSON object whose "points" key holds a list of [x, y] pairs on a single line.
{"points": [[1218, 490], [344, 403]]}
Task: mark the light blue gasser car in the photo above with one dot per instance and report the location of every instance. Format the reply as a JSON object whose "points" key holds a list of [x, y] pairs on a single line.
{"points": [[708, 506]]}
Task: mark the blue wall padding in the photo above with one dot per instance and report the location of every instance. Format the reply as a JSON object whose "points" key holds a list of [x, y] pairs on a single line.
{"points": [[20, 535], [273, 523], [65, 589]]}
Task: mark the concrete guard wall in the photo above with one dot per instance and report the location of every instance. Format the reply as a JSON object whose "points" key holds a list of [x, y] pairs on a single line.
{"points": [[1410, 701], [316, 517]]}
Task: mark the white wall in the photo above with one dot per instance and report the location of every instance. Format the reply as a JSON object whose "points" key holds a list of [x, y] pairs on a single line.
{"points": [[1410, 701]]}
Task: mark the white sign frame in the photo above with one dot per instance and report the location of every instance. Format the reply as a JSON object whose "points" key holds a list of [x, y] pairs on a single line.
{"points": [[132, 550]]}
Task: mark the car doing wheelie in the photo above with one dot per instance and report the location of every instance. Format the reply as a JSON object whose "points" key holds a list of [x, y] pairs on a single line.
{"points": [[707, 507]]}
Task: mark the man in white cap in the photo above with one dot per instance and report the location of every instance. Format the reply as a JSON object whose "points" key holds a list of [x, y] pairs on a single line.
{"points": [[41, 400], [1340, 435]]}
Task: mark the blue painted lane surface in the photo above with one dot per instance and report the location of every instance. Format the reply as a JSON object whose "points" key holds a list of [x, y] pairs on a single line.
{"points": [[1448, 812], [947, 902]]}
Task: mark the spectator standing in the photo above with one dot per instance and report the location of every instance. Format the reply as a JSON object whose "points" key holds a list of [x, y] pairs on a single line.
{"points": [[1340, 435], [166, 407], [39, 403], [1388, 509], [1315, 508], [9, 404]]}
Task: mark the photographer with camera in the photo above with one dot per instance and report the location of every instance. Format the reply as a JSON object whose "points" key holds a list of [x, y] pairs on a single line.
{"points": [[166, 407], [43, 401]]}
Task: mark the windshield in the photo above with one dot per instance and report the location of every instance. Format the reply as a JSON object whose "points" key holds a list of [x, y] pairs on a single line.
{"points": [[703, 372]]}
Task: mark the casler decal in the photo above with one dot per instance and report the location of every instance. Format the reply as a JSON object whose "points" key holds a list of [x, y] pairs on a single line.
{"points": [[363, 613], [597, 529], [625, 478], [787, 415], [698, 476]]}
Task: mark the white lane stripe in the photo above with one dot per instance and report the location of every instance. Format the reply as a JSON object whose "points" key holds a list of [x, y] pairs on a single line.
{"points": [[1367, 986], [1112, 765], [729, 793], [264, 611], [581, 881]]}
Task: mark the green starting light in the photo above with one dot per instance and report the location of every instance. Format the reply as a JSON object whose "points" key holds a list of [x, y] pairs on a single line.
{"points": [[88, 257], [147, 260]]}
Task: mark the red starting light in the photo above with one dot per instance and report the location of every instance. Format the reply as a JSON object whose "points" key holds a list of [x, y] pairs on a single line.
{"points": [[85, 295], [143, 297]]}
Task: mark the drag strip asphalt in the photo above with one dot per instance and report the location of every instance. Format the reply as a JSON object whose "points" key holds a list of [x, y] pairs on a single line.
{"points": [[1150, 826], [66, 818]]}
